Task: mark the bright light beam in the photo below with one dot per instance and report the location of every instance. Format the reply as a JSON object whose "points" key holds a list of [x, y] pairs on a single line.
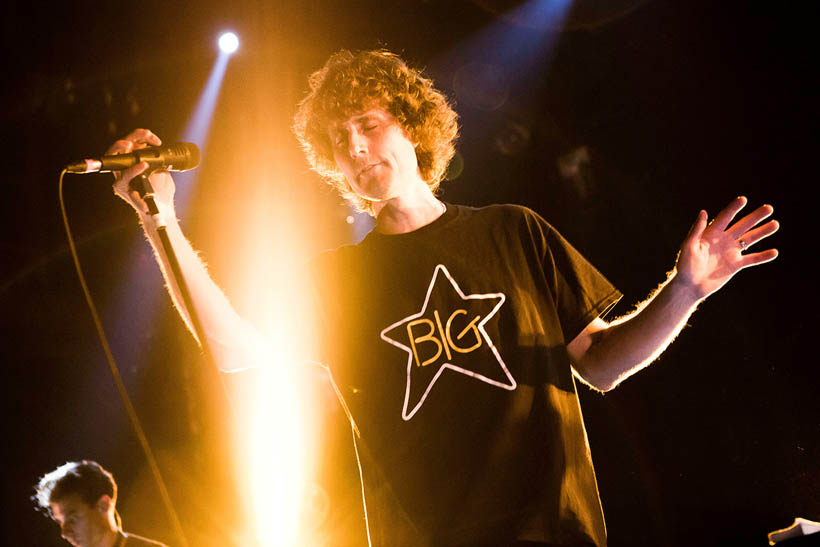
{"points": [[228, 43], [199, 126], [507, 54], [276, 449]]}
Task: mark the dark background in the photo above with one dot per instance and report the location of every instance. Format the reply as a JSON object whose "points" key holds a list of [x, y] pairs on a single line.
{"points": [[681, 106]]}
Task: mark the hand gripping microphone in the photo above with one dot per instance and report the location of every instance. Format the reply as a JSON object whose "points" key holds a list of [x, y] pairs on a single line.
{"points": [[181, 156]]}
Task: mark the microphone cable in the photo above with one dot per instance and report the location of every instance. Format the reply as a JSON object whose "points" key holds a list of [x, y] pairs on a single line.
{"points": [[115, 372]]}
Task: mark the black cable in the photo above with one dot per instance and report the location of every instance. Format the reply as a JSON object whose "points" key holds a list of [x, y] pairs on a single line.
{"points": [[129, 408]]}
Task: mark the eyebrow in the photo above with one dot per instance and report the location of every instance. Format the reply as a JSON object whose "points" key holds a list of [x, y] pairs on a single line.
{"points": [[360, 119], [368, 115]]}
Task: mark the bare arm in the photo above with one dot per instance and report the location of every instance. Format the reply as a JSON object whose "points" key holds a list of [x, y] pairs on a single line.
{"points": [[605, 354], [234, 342]]}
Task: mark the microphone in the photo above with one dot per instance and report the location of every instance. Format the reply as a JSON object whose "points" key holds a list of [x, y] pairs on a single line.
{"points": [[181, 156]]}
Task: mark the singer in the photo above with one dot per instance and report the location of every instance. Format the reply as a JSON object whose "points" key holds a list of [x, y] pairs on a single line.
{"points": [[464, 326]]}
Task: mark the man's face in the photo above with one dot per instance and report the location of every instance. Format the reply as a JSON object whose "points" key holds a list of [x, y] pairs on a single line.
{"points": [[80, 524], [374, 153]]}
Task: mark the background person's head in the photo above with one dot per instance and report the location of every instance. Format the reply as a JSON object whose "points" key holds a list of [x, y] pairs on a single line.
{"points": [[81, 497], [351, 83]]}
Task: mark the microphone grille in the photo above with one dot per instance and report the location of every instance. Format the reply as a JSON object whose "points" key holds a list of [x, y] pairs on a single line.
{"points": [[182, 156]]}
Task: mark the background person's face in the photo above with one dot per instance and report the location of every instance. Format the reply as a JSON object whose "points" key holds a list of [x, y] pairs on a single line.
{"points": [[80, 524]]}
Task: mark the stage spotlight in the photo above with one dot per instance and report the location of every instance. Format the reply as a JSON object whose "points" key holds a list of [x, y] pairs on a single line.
{"points": [[228, 42]]}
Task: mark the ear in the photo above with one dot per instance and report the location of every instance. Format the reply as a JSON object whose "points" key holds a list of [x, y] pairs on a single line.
{"points": [[104, 503]]}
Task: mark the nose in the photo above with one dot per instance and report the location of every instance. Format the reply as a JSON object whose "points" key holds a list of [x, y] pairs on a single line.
{"points": [[356, 143]]}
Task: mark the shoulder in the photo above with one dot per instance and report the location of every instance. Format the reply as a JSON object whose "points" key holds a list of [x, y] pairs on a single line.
{"points": [[501, 213], [516, 219]]}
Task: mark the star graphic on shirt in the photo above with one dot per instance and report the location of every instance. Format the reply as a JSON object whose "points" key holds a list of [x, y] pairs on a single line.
{"points": [[450, 335]]}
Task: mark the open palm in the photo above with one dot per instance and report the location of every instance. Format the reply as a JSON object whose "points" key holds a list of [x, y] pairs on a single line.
{"points": [[713, 252]]}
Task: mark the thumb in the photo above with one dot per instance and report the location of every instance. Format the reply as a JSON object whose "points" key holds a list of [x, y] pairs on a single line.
{"points": [[697, 227], [134, 171]]}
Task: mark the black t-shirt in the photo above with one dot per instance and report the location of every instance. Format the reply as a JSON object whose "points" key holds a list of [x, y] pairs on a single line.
{"points": [[448, 345]]}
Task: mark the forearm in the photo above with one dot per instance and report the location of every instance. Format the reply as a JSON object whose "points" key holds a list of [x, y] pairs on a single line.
{"points": [[633, 341], [604, 355], [233, 342]]}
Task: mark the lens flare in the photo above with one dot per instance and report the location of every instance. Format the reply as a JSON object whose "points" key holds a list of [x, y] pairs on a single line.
{"points": [[228, 42]]}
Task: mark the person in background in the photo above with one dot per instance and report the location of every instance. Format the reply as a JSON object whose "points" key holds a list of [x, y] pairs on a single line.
{"points": [[81, 497]]}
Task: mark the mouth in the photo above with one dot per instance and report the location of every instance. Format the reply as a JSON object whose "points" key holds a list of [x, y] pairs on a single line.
{"points": [[367, 168]]}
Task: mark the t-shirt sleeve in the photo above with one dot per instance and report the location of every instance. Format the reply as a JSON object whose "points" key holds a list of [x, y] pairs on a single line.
{"points": [[580, 292]]}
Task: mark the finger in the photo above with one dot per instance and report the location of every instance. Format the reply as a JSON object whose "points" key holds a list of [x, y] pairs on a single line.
{"points": [[124, 177], [135, 170], [753, 236], [762, 257], [724, 217], [751, 220], [136, 200], [696, 231], [139, 138], [121, 146], [144, 136]]}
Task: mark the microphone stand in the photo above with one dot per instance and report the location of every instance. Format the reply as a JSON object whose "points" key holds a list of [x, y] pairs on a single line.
{"points": [[142, 185]]}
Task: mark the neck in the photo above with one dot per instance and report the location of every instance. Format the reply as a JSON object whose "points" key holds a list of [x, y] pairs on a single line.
{"points": [[110, 534], [404, 214], [108, 539]]}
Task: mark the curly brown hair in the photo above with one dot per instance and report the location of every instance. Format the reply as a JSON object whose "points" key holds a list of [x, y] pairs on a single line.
{"points": [[349, 83]]}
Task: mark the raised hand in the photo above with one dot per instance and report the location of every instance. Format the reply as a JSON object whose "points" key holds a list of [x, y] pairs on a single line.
{"points": [[161, 181], [712, 253]]}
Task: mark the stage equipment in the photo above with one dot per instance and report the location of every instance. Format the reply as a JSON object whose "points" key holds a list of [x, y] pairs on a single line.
{"points": [[228, 43]]}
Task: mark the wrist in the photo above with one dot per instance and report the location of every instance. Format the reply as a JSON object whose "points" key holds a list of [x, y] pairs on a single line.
{"points": [[684, 289], [162, 219]]}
